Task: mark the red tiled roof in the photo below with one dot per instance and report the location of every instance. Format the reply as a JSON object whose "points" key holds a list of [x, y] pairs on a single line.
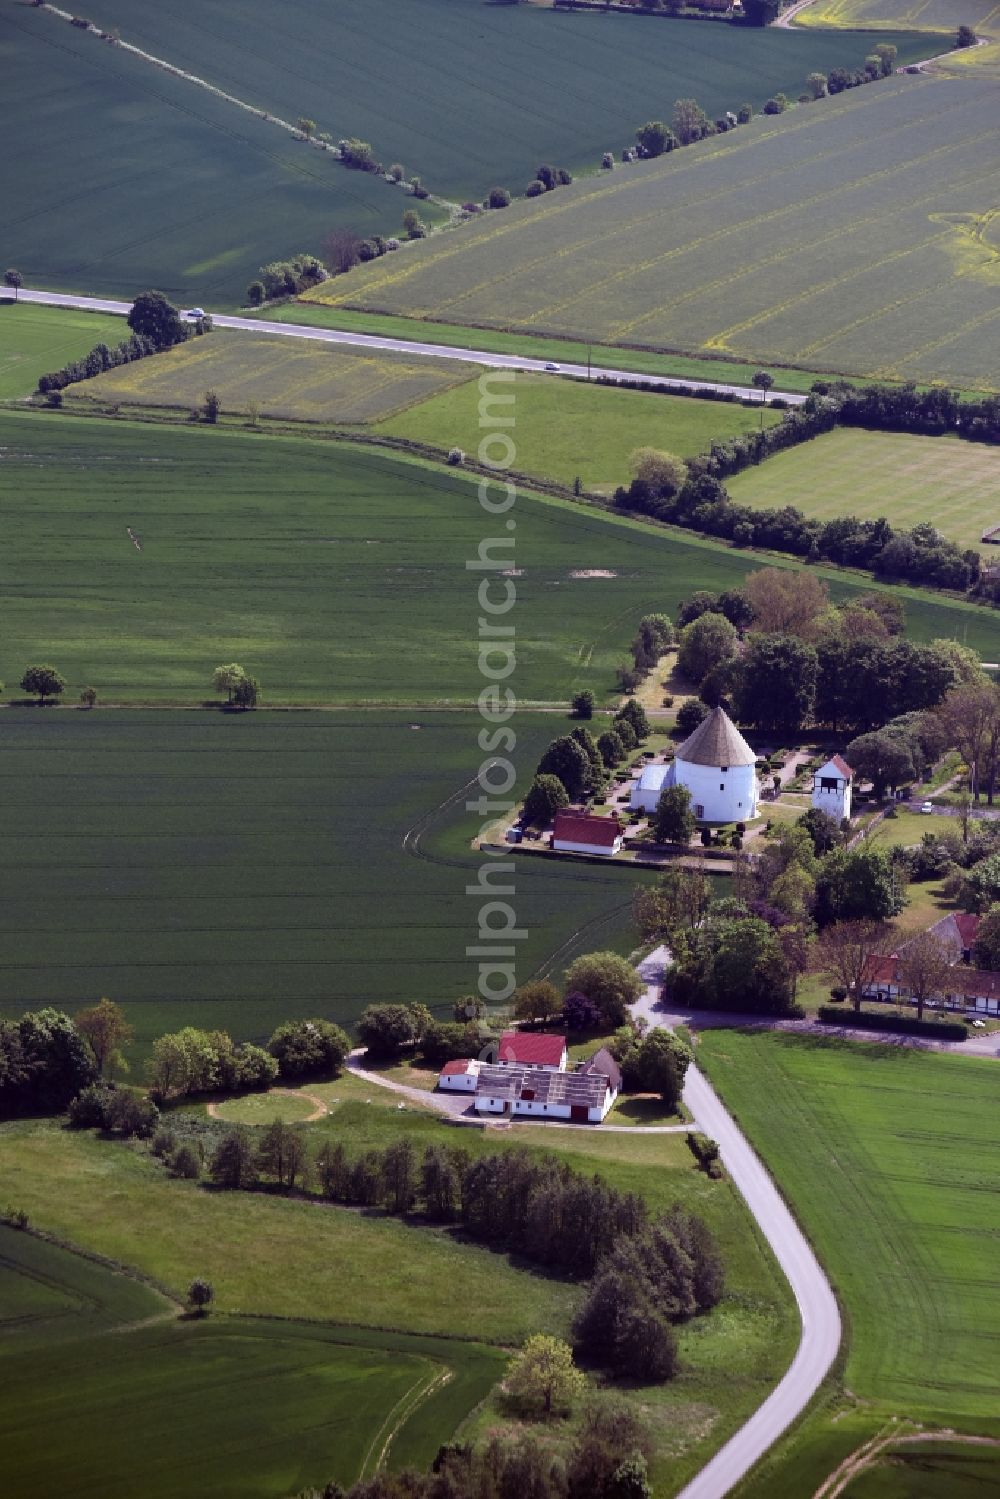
{"points": [[533, 1048], [842, 766], [582, 827], [881, 969], [969, 983], [450, 1069], [968, 927]]}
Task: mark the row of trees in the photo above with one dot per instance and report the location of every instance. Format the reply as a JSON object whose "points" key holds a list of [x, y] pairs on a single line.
{"points": [[156, 325], [650, 1275], [576, 765], [693, 495]]}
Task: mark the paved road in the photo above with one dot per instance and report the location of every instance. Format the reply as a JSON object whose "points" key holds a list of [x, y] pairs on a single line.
{"points": [[817, 1304], [407, 346]]}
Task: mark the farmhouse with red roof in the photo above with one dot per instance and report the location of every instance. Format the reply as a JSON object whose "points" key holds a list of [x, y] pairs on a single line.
{"points": [[533, 1049], [575, 832]]}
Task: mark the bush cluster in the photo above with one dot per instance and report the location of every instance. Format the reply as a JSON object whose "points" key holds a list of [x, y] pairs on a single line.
{"points": [[119, 1111]]}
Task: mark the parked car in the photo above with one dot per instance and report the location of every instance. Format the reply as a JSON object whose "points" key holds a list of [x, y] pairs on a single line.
{"points": [[927, 806]]}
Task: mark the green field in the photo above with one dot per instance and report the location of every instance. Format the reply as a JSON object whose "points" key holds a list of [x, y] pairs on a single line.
{"points": [[269, 1256], [235, 871], [333, 573], [256, 1408], [293, 378], [925, 1469], [551, 415], [910, 480], [35, 339], [852, 235], [889, 1158], [915, 15], [131, 178], [466, 94]]}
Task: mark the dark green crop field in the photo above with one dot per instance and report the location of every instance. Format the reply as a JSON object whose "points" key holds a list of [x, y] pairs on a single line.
{"points": [[334, 574], [889, 1157], [130, 178], [468, 94], [256, 1408], [234, 871]]}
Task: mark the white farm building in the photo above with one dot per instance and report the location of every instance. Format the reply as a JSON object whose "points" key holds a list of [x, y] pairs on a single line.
{"points": [[716, 765], [832, 788]]}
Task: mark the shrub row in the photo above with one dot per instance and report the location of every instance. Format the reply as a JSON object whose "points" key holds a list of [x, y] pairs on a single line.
{"points": [[705, 1152], [899, 1025]]}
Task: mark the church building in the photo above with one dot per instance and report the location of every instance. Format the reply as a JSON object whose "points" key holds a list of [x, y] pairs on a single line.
{"points": [[716, 765]]}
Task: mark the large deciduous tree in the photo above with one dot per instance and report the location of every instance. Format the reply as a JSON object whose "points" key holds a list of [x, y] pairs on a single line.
{"points": [[106, 1031], [566, 759], [775, 683], [543, 1377], [152, 316], [43, 682], [925, 968], [675, 820], [608, 980], [786, 601], [846, 952], [704, 645]]}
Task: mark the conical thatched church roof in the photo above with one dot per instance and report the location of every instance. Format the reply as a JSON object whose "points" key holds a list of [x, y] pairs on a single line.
{"points": [[716, 741]]}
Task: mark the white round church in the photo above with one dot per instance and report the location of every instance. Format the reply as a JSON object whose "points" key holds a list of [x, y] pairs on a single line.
{"points": [[716, 765]]}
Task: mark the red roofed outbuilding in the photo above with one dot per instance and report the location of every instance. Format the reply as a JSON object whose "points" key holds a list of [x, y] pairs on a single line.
{"points": [[533, 1049], [575, 832], [460, 1076]]}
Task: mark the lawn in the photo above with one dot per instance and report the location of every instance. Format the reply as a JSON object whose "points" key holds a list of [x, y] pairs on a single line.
{"points": [[283, 377], [909, 480], [131, 178], [34, 340], [333, 573], [850, 235], [267, 1256], [237, 871], [468, 95], [889, 1157], [256, 1408], [552, 414]]}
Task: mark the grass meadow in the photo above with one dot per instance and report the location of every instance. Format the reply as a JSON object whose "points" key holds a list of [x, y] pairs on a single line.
{"points": [[131, 178], [849, 235], [468, 95], [256, 1408], [269, 1256], [551, 415], [235, 871], [335, 574], [888, 1156], [283, 377], [34, 340], [910, 480], [923, 1469]]}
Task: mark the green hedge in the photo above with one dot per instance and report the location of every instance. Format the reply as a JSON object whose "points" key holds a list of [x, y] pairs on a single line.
{"points": [[900, 1025]]}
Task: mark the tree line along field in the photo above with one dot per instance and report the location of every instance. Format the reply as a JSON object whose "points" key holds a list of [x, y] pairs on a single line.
{"points": [[285, 377], [468, 95], [552, 414], [257, 1407], [36, 339], [333, 573], [888, 1157], [237, 871], [131, 178], [269, 1257], [852, 235], [910, 480]]}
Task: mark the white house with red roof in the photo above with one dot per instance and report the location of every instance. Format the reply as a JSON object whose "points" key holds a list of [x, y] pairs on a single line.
{"points": [[832, 788], [460, 1076], [533, 1049], [575, 832]]}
